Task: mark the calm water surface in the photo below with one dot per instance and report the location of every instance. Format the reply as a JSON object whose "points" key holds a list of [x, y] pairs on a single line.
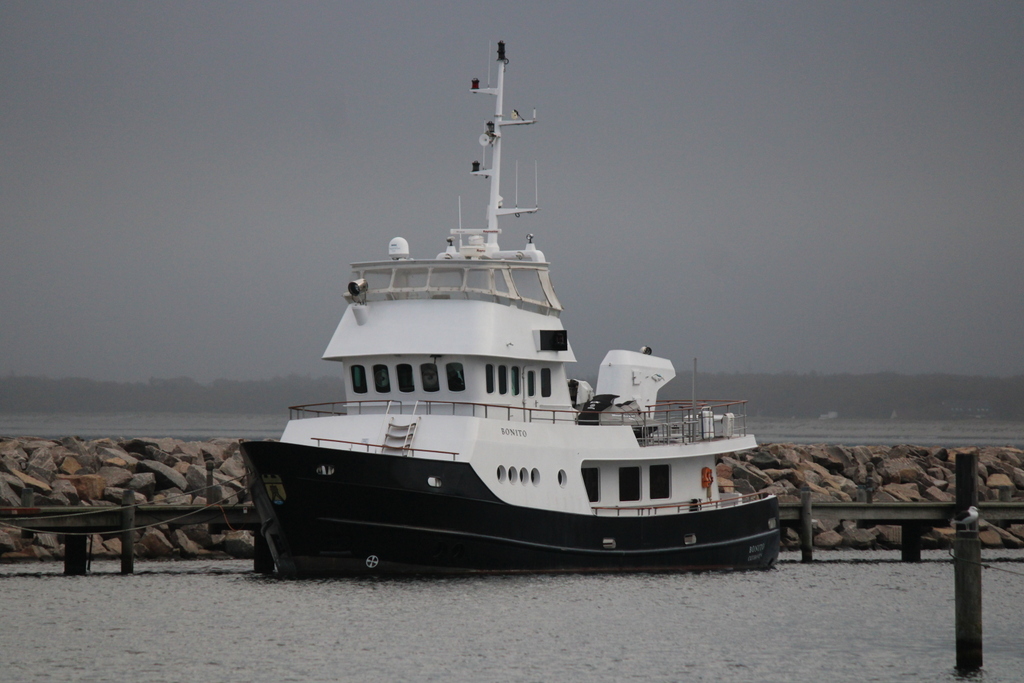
{"points": [[851, 616]]}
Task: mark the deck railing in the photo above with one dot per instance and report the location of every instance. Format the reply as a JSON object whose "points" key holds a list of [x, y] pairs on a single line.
{"points": [[670, 422], [694, 505]]}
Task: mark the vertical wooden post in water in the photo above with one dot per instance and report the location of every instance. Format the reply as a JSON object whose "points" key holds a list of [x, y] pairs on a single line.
{"points": [[910, 544], [28, 499], [806, 531], [127, 533], [76, 556], [967, 567]]}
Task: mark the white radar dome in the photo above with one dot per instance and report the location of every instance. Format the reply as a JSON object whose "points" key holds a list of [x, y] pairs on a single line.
{"points": [[398, 248]]}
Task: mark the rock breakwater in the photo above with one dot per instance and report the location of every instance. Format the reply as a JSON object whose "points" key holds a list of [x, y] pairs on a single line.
{"points": [[72, 471]]}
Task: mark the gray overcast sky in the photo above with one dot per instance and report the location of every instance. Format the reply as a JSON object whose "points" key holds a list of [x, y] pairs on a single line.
{"points": [[786, 186]]}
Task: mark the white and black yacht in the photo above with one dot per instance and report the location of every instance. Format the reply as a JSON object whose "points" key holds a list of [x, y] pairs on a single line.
{"points": [[464, 447]]}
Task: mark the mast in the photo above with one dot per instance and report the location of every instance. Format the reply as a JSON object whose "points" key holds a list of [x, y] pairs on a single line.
{"points": [[492, 138]]}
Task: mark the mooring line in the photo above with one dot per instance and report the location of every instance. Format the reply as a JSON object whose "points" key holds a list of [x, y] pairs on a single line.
{"points": [[216, 504], [985, 565], [106, 508]]}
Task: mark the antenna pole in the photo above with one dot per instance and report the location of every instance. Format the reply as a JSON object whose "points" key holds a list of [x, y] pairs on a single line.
{"points": [[693, 387]]}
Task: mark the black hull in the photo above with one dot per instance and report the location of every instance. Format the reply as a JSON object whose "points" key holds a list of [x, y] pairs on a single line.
{"points": [[377, 514]]}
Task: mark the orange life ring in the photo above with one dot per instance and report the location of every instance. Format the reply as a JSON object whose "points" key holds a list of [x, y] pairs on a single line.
{"points": [[707, 477]]}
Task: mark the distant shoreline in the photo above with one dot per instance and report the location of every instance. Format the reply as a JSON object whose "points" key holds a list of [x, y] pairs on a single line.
{"points": [[807, 396]]}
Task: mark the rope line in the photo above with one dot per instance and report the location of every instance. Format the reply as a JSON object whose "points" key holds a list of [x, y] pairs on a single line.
{"points": [[984, 564], [106, 508], [219, 504]]}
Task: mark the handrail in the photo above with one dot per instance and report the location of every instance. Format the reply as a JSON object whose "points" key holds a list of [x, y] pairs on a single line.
{"points": [[721, 502], [454, 454]]}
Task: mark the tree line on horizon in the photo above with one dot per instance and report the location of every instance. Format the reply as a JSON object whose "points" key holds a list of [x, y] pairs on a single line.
{"points": [[869, 396]]}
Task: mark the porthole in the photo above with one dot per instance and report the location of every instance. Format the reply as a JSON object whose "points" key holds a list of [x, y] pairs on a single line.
{"points": [[325, 470], [501, 473], [512, 475], [434, 481], [535, 476], [563, 478], [523, 474]]}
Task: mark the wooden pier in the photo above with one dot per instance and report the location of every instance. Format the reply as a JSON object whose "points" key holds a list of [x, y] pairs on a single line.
{"points": [[77, 523], [914, 518]]}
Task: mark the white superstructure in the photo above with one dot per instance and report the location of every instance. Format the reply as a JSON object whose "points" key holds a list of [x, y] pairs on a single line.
{"points": [[461, 357]]}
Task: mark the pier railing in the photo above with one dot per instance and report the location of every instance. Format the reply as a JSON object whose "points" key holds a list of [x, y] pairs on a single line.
{"points": [[670, 422]]}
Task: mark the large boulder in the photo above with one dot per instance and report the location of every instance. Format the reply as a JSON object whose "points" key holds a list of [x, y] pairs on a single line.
{"points": [[166, 477], [143, 483], [239, 544], [32, 482], [8, 498], [155, 544], [860, 539], [115, 476], [88, 486], [829, 540]]}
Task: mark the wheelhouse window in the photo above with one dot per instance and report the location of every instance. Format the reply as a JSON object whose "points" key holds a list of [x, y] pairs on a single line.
{"points": [[629, 483], [489, 372], [359, 379], [502, 379], [428, 375], [515, 381], [381, 379], [592, 481], [659, 481], [405, 380], [456, 377], [530, 383], [545, 382]]}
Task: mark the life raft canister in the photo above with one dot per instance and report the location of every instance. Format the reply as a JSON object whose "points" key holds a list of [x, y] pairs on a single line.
{"points": [[707, 477]]}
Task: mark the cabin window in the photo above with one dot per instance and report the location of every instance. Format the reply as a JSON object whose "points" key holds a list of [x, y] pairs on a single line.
{"points": [[528, 284], [530, 383], [456, 377], [447, 278], [659, 476], [592, 481], [405, 381], [428, 375], [500, 286], [515, 381], [410, 278], [478, 279], [502, 379], [629, 483], [489, 372], [545, 382], [381, 379], [359, 379]]}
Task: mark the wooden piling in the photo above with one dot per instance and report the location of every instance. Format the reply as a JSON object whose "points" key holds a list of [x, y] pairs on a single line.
{"points": [[127, 533], [76, 556], [28, 499], [910, 544], [806, 529], [967, 568]]}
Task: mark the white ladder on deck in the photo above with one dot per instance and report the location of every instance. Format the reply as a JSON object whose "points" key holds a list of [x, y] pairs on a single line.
{"points": [[398, 437]]}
